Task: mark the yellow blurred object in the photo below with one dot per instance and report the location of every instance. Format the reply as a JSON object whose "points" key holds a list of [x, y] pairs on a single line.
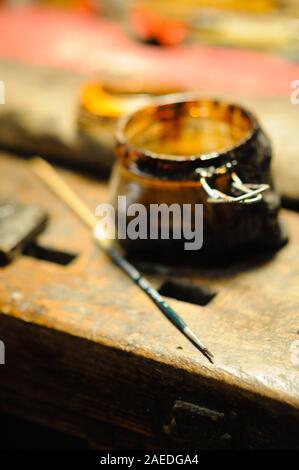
{"points": [[100, 102], [115, 99], [101, 105], [183, 7]]}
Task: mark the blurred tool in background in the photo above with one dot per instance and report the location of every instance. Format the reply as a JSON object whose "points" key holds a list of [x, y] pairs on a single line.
{"points": [[257, 24], [80, 70], [262, 24]]}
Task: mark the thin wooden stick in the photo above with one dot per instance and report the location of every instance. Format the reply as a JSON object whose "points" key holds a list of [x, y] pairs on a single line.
{"points": [[50, 177]]}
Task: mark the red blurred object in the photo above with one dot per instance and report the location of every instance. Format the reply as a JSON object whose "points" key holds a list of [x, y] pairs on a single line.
{"points": [[152, 27], [83, 42]]}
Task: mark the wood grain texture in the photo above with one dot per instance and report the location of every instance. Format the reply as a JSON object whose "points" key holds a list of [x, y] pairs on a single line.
{"points": [[84, 346]]}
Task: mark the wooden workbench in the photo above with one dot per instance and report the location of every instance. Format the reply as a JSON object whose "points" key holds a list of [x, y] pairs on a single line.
{"points": [[88, 353]]}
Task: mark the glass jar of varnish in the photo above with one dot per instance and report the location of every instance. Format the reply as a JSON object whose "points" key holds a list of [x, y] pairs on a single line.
{"points": [[188, 150]]}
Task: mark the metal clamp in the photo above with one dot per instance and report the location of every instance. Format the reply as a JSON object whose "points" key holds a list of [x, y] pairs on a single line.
{"points": [[250, 193]]}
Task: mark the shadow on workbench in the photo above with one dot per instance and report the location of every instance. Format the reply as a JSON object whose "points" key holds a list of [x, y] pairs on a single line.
{"points": [[22, 435]]}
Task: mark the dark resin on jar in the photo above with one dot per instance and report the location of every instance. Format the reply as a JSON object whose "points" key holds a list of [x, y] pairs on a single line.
{"points": [[165, 148]]}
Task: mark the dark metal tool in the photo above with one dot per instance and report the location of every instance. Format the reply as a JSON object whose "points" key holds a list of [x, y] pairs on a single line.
{"points": [[50, 177], [19, 226]]}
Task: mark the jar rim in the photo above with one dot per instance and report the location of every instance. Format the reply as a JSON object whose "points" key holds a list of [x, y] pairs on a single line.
{"points": [[201, 160]]}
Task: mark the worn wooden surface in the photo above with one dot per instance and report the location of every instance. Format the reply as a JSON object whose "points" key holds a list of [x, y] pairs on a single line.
{"points": [[88, 353]]}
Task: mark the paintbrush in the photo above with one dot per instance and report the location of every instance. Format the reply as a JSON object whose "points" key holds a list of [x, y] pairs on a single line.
{"points": [[50, 177]]}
